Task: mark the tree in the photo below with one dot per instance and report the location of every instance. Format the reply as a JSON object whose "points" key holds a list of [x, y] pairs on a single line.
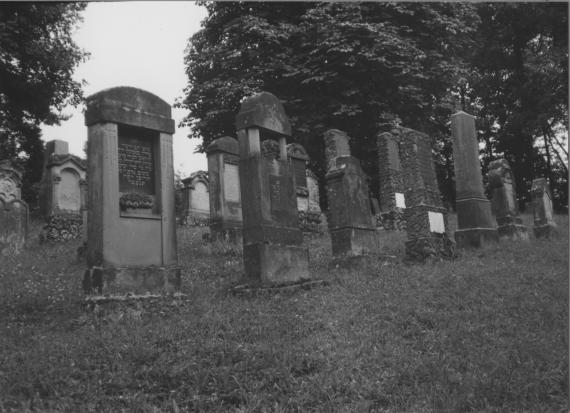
{"points": [[37, 59]]}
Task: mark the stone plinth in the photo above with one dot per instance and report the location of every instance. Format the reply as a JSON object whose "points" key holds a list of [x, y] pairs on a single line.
{"points": [[131, 231], [544, 225], [272, 240], [475, 224], [225, 193]]}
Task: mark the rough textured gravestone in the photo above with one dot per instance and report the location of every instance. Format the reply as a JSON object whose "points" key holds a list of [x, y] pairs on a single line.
{"points": [[196, 198], [504, 201], [475, 224], [13, 211], [63, 192], [225, 193], [131, 246], [426, 219], [544, 225], [272, 249], [10, 181], [351, 224], [391, 180]]}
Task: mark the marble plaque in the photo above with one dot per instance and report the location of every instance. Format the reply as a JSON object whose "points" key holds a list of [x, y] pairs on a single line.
{"points": [[509, 194], [200, 198], [231, 182], [547, 207], [400, 200], [136, 161], [69, 192], [436, 223]]}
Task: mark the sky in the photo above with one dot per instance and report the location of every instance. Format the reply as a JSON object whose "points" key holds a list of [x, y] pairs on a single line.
{"points": [[139, 44]]}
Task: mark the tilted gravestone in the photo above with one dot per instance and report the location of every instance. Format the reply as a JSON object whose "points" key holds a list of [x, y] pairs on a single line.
{"points": [[351, 224], [475, 224], [63, 192], [544, 225], [504, 201], [426, 219], [13, 211], [131, 246], [391, 180], [225, 194], [196, 198], [272, 240]]}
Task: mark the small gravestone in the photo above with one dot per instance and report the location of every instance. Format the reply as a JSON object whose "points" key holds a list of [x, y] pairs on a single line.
{"points": [[196, 198], [544, 225], [351, 223], [13, 211], [426, 219], [391, 180], [504, 201], [131, 246], [225, 194], [272, 240], [475, 224]]}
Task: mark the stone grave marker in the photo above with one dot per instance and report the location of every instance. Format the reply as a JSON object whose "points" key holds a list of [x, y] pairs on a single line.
{"points": [[13, 211], [196, 198], [544, 225], [10, 181], [504, 202], [351, 223], [225, 194], [475, 224], [272, 240], [131, 229], [391, 180]]}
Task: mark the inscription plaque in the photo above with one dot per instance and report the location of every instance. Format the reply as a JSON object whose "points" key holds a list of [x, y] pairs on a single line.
{"points": [[277, 184], [300, 174], [231, 182], [394, 155], [436, 223], [136, 160], [400, 200]]}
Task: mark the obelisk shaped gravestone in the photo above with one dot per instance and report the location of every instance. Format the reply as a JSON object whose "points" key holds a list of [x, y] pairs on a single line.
{"points": [[391, 180], [131, 230], [272, 250], [475, 223]]}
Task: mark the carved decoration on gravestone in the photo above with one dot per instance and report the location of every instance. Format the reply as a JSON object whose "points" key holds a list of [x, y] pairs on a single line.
{"points": [[10, 181], [272, 240], [13, 210], [504, 202], [196, 198], [544, 224]]}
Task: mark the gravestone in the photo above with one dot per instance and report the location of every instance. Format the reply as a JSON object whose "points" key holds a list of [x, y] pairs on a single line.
{"points": [[13, 211], [504, 201], [392, 187], [225, 194], [351, 224], [272, 240], [196, 198], [544, 225], [425, 216], [475, 224], [131, 229], [62, 192]]}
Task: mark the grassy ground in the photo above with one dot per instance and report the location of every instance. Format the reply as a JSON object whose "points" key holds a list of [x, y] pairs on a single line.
{"points": [[487, 332]]}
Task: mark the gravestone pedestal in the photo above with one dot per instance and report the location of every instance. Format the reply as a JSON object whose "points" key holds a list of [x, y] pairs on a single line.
{"points": [[544, 225]]}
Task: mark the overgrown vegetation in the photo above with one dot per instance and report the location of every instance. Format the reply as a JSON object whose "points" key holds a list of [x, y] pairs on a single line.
{"points": [[487, 332]]}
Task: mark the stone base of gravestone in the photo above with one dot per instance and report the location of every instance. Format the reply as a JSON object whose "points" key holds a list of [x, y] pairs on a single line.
{"points": [[272, 264], [435, 246], [546, 231], [393, 220], [312, 221], [427, 237], [63, 227], [354, 241], [131, 280], [13, 226], [512, 228], [475, 222], [476, 237]]}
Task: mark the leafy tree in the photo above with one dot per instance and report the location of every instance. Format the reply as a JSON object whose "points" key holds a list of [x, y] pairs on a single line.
{"points": [[37, 59]]}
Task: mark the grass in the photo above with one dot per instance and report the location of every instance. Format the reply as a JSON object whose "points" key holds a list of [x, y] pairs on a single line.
{"points": [[487, 332]]}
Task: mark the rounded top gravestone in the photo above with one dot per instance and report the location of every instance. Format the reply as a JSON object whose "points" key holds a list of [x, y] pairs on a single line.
{"points": [[225, 144], [263, 110], [297, 151]]}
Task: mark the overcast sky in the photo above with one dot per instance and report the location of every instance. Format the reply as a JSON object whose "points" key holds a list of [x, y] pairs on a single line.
{"points": [[139, 44]]}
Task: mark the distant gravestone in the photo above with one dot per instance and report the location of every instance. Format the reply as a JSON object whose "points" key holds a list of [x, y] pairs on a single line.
{"points": [[272, 249], [391, 180], [131, 246], [544, 225], [225, 194], [196, 198], [475, 225], [10, 181], [351, 224], [13, 211], [504, 201]]}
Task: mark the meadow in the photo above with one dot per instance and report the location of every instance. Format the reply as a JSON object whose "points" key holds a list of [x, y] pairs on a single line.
{"points": [[487, 332]]}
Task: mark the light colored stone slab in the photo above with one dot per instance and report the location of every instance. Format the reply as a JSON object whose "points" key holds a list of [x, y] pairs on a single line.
{"points": [[231, 183], [400, 200], [436, 223]]}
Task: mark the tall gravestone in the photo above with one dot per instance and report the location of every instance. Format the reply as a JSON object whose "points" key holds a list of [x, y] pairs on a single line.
{"points": [[504, 201], [131, 246], [425, 216], [544, 225], [272, 240], [225, 193], [196, 198], [351, 224], [391, 180], [475, 224], [13, 210]]}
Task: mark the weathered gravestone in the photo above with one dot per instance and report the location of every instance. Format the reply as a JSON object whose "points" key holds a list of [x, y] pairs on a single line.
{"points": [[272, 240], [13, 211], [131, 245], [351, 224], [225, 194], [475, 224], [196, 198], [391, 180], [63, 192], [544, 225], [426, 219], [504, 201]]}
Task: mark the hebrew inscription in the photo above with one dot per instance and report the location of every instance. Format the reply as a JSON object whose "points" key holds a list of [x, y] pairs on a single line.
{"points": [[136, 165]]}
